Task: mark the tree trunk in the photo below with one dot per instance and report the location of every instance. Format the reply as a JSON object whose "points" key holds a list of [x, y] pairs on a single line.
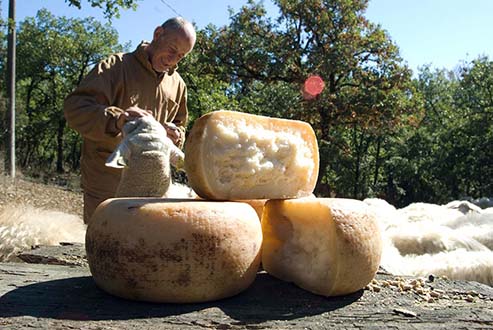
{"points": [[59, 140], [377, 162]]}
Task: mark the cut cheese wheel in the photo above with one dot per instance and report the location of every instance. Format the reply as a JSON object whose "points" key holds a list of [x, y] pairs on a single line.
{"points": [[327, 246], [178, 251], [233, 156]]}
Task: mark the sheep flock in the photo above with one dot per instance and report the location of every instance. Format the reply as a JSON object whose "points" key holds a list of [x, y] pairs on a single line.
{"points": [[453, 240]]}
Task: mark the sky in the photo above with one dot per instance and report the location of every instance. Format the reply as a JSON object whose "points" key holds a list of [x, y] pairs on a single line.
{"points": [[439, 33]]}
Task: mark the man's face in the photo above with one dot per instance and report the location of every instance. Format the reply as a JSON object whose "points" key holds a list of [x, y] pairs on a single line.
{"points": [[170, 46]]}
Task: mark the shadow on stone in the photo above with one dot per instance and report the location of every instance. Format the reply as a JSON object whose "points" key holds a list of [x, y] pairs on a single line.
{"points": [[78, 298]]}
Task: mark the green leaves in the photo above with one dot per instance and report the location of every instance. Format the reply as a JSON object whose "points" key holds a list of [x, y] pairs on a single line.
{"points": [[111, 7], [53, 54]]}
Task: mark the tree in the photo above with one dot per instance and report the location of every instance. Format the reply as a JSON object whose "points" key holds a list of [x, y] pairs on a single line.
{"points": [[447, 154], [111, 7], [54, 53], [206, 92], [472, 135], [414, 156], [3, 83], [368, 91]]}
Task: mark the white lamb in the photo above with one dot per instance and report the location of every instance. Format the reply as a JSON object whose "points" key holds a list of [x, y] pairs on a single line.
{"points": [[424, 239], [23, 226], [145, 154], [464, 207], [458, 264], [477, 225]]}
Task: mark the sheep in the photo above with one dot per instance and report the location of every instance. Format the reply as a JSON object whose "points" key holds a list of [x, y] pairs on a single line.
{"points": [[416, 228], [145, 154], [464, 207], [429, 213], [23, 226], [458, 265], [423, 239], [477, 225]]}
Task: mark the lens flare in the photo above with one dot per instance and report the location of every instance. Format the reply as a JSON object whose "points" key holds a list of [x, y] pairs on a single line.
{"points": [[313, 85]]}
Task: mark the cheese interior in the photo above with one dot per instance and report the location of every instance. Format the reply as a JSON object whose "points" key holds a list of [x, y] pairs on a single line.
{"points": [[248, 156], [299, 242]]}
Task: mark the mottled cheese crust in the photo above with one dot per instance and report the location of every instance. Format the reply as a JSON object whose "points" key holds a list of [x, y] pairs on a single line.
{"points": [[176, 251], [232, 155]]}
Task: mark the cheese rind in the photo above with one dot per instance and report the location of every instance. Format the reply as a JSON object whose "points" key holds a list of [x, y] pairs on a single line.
{"points": [[176, 251], [257, 204], [327, 246], [232, 156]]}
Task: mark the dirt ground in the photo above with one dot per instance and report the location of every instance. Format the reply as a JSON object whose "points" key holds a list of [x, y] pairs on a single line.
{"points": [[45, 195]]}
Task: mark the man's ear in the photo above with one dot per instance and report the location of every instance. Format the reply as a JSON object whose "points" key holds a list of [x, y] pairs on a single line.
{"points": [[157, 33]]}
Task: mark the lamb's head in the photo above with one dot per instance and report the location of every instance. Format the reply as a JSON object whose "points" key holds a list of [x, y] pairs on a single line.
{"points": [[145, 154], [141, 135]]}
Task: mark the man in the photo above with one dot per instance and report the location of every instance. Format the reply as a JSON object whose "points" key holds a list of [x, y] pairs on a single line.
{"points": [[124, 87]]}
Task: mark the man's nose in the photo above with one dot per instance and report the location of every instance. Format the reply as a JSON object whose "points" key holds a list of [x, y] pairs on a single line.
{"points": [[173, 58]]}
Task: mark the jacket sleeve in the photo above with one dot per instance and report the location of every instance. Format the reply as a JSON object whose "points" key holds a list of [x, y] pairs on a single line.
{"points": [[181, 117], [87, 109]]}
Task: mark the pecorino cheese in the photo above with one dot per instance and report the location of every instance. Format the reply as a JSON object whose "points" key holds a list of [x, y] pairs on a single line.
{"points": [[327, 246], [175, 251], [234, 156], [257, 204]]}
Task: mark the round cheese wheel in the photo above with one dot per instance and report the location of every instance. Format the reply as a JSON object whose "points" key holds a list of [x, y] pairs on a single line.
{"points": [[328, 246], [257, 204], [171, 250]]}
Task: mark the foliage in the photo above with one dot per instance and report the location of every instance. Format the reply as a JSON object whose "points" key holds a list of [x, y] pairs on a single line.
{"points": [[473, 128], [3, 90], [53, 54], [448, 155], [111, 7], [381, 133], [206, 92]]}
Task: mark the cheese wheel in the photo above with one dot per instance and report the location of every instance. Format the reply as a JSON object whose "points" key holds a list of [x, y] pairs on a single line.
{"points": [[233, 156], [171, 250], [257, 204], [327, 246]]}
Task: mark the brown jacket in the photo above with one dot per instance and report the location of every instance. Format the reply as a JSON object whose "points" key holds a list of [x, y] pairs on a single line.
{"points": [[115, 84]]}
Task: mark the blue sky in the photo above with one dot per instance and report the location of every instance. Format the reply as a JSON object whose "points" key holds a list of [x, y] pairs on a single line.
{"points": [[441, 33]]}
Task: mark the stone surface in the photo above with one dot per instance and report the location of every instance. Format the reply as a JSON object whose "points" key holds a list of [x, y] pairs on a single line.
{"points": [[64, 296]]}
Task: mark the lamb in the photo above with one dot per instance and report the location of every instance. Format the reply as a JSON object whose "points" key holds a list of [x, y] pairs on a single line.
{"points": [[458, 264], [477, 225], [449, 240], [429, 213], [424, 237], [463, 206], [145, 154], [23, 226]]}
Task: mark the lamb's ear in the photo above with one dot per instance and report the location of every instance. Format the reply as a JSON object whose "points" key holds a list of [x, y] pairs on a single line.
{"points": [[118, 159]]}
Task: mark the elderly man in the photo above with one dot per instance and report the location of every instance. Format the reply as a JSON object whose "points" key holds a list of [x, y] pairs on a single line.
{"points": [[121, 88]]}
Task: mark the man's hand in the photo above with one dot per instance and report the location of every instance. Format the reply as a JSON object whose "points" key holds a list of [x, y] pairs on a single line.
{"points": [[173, 132], [130, 114]]}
